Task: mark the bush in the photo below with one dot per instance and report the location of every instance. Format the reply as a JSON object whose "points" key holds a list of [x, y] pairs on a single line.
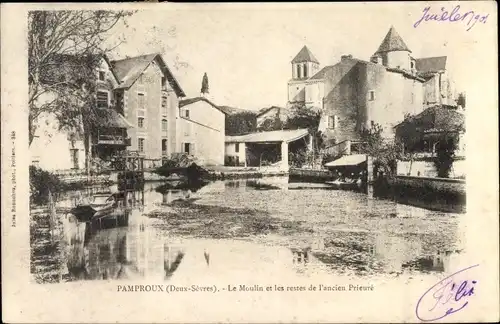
{"points": [[41, 182], [233, 160]]}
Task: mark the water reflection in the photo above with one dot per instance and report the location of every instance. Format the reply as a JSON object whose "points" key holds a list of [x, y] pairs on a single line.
{"points": [[367, 253], [122, 253], [337, 231]]}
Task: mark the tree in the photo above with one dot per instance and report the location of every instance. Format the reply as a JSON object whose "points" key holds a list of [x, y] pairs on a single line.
{"points": [[52, 37], [384, 153], [308, 118], [241, 123], [270, 124], [445, 154], [204, 84]]}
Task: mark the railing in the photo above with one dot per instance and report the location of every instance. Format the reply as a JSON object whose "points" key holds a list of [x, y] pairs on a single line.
{"points": [[113, 139]]}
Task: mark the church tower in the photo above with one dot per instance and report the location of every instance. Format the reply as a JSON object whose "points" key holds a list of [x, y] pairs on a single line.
{"points": [[304, 66], [394, 53]]}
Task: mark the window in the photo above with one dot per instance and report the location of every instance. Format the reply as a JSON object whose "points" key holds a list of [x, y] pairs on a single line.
{"points": [[164, 146], [164, 125], [102, 99], [412, 65], [187, 148], [186, 113], [140, 122], [141, 101], [164, 104], [140, 144], [371, 95], [102, 75], [298, 71], [237, 147], [305, 70], [332, 122]]}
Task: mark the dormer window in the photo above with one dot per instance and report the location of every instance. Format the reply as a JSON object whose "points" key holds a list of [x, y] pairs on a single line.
{"points": [[102, 75]]}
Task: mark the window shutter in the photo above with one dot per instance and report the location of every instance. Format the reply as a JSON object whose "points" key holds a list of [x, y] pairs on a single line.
{"points": [[192, 149], [335, 121]]}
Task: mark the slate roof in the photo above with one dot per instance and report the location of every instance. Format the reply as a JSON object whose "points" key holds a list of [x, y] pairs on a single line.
{"points": [[392, 42], [266, 137], [305, 55], [431, 64], [190, 101], [128, 71]]}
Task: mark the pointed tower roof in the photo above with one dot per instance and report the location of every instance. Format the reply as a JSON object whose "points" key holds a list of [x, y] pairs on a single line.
{"points": [[392, 42], [305, 55]]}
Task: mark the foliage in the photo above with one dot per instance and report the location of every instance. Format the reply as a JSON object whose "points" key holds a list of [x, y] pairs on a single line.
{"points": [[53, 38], [233, 160], [41, 182], [303, 117], [308, 118], [445, 155], [300, 158], [384, 153], [270, 124], [204, 84], [241, 123]]}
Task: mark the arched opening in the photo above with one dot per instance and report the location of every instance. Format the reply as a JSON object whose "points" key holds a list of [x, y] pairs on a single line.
{"points": [[305, 70]]}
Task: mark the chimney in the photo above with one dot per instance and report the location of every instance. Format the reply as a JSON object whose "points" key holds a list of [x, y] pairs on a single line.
{"points": [[376, 59]]}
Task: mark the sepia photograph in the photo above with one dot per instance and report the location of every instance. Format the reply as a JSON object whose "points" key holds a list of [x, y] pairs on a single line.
{"points": [[315, 154]]}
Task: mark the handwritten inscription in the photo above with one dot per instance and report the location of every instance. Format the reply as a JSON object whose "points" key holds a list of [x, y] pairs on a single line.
{"points": [[448, 296], [469, 18]]}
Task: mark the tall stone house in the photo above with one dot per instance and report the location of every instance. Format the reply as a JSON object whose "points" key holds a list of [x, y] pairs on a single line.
{"points": [[138, 110], [354, 94]]}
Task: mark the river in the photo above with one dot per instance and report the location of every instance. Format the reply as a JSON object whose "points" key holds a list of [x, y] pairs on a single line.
{"points": [[259, 226]]}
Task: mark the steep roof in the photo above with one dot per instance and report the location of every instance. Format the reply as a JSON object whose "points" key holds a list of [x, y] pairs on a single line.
{"points": [[128, 71], [392, 42], [190, 101], [321, 73], [431, 64], [305, 55], [272, 136]]}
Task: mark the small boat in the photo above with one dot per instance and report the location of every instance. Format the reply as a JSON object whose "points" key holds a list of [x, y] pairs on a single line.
{"points": [[102, 204]]}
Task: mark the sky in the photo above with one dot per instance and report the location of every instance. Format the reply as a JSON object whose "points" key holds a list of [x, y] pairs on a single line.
{"points": [[246, 49]]}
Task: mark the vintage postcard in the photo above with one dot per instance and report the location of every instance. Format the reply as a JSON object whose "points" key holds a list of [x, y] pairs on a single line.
{"points": [[244, 163]]}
